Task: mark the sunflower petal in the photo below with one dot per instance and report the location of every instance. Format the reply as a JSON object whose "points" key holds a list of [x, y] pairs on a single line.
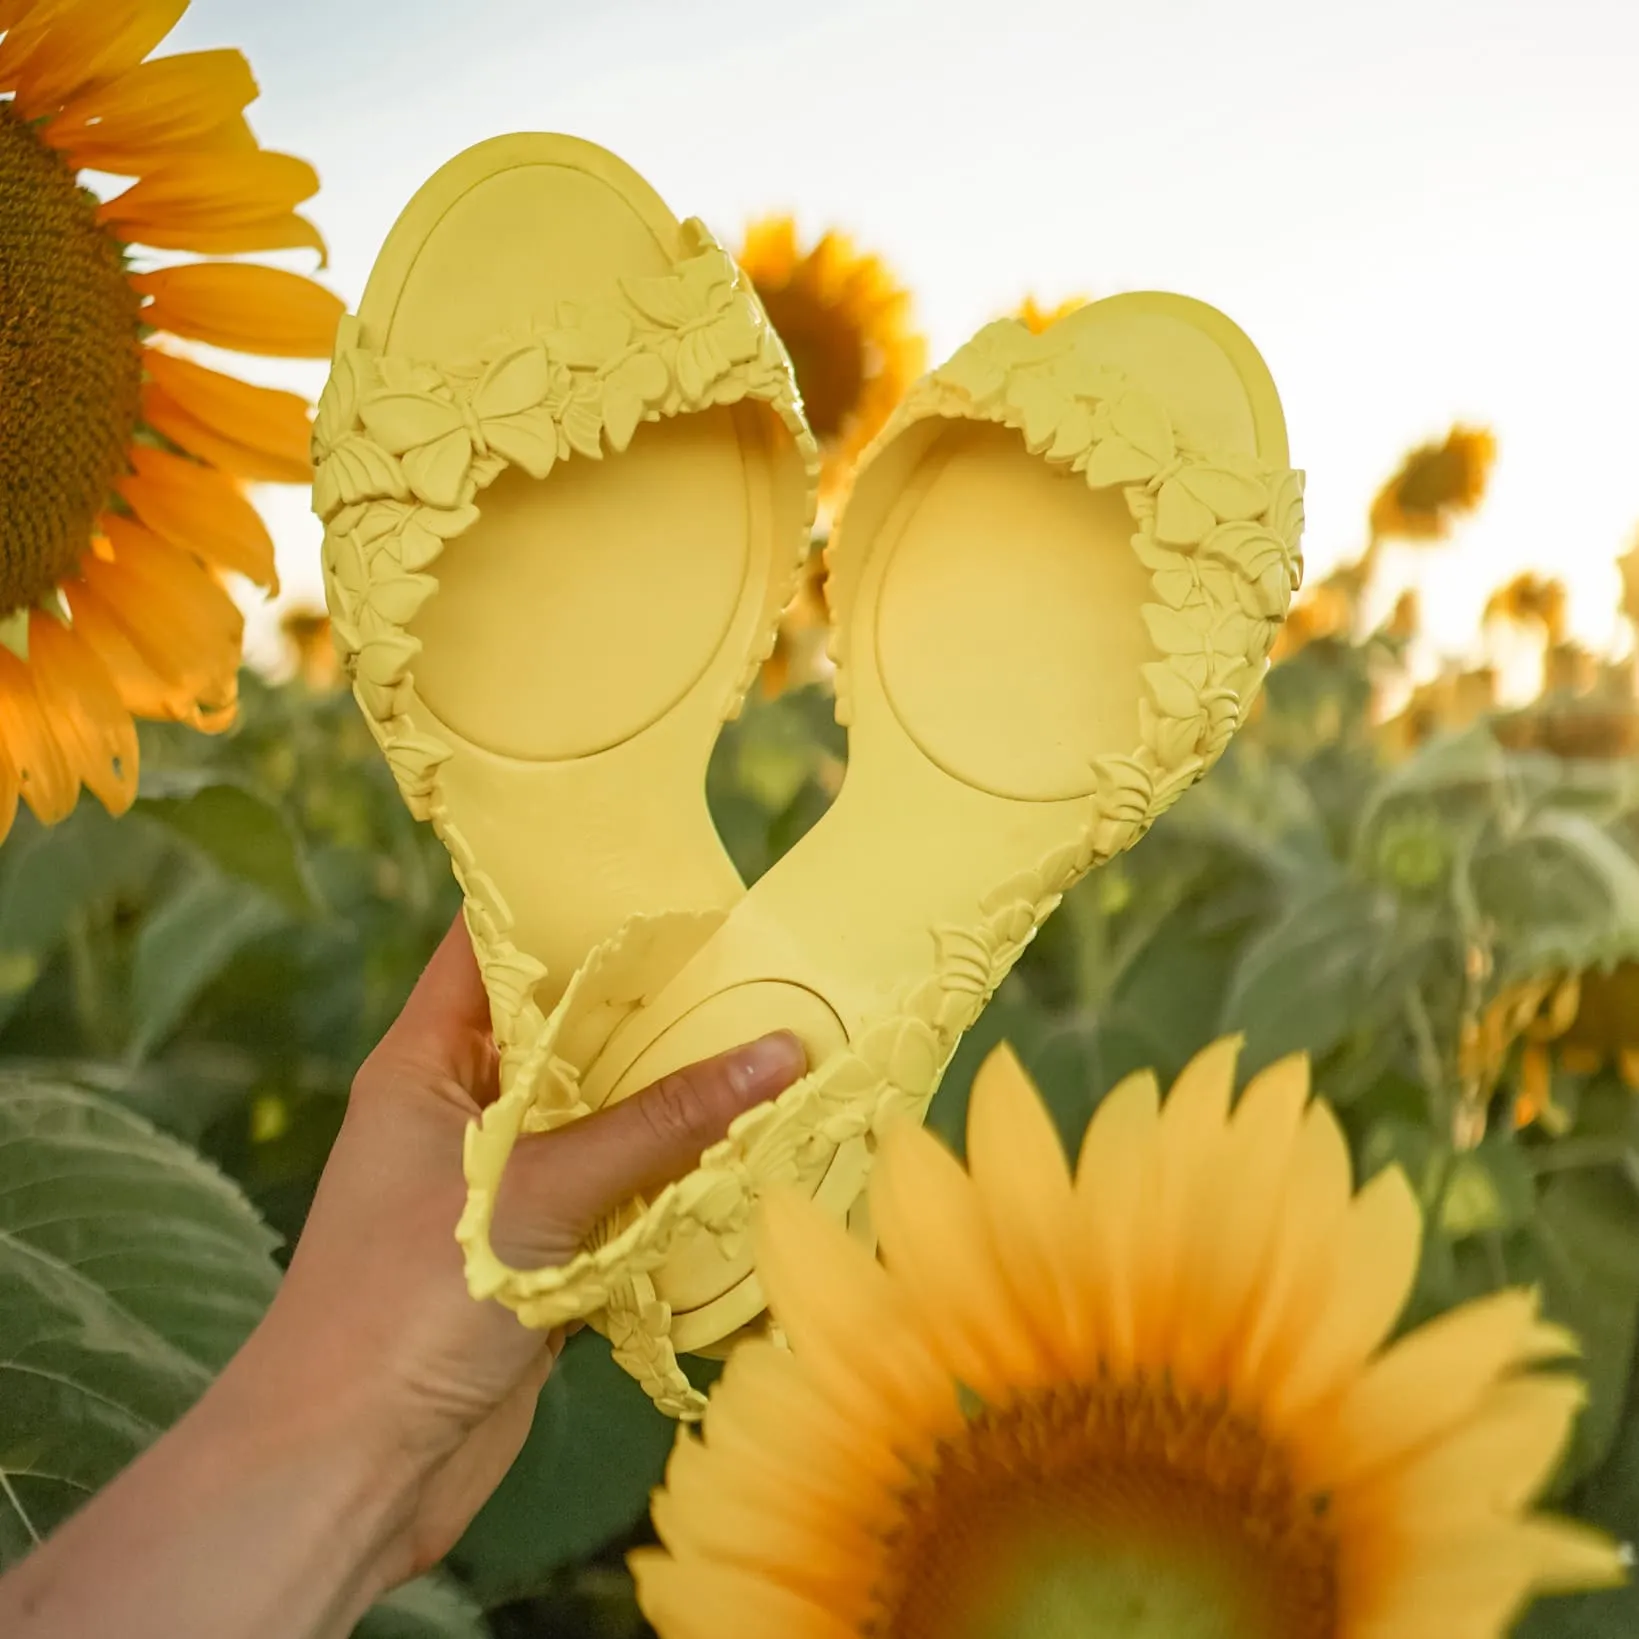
{"points": [[1023, 1181], [1313, 1208], [57, 49], [46, 780], [1493, 1465], [1429, 1381], [8, 788], [735, 1515], [204, 237], [1475, 1583], [93, 729], [243, 307], [199, 509], [144, 690], [1115, 1179], [827, 1290], [937, 1246], [210, 191], [687, 1599], [176, 613], [253, 432], [1193, 1129], [766, 1411], [171, 100], [1370, 1282], [1233, 1226]]}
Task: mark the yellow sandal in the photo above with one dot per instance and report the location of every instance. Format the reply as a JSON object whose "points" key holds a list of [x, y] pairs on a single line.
{"points": [[1054, 589], [565, 413]]}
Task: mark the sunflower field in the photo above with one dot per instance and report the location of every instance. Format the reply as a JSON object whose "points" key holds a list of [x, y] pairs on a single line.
{"points": [[1433, 896]]}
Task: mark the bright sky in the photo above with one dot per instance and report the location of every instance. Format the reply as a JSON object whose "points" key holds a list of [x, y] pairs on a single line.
{"points": [[1420, 210]]}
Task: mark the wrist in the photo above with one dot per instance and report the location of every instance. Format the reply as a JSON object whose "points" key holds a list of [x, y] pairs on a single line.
{"points": [[320, 1438]]}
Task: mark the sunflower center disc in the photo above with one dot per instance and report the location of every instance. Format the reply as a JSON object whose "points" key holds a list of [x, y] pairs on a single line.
{"points": [[1121, 1510], [827, 358], [70, 365]]}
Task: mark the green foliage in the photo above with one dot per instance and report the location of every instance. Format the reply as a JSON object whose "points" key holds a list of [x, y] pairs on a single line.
{"points": [[192, 987], [129, 1271], [596, 1450]]}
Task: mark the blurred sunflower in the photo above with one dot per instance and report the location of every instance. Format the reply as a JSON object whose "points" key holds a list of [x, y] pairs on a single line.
{"points": [[1036, 318], [1153, 1397], [310, 647], [120, 462], [799, 655], [1455, 699], [845, 320], [1628, 568], [1323, 611], [1576, 1023], [1435, 486], [1530, 599]]}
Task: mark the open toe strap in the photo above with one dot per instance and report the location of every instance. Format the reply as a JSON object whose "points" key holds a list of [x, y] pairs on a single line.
{"points": [[402, 447]]}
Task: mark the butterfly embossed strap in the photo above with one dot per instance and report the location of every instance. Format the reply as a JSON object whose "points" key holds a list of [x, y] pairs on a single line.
{"points": [[401, 447], [1219, 532], [393, 429]]}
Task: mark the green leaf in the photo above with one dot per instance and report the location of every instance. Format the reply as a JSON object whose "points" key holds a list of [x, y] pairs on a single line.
{"points": [[596, 1449], [1172, 987], [247, 836], [129, 1271], [1300, 983], [1587, 1234], [50, 874], [1469, 762], [184, 945], [431, 1607], [1489, 1190], [1564, 894]]}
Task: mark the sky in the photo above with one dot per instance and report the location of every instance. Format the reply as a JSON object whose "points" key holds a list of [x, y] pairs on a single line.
{"points": [[1421, 211]]}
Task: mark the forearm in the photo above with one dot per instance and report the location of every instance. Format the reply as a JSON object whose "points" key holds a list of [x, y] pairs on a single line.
{"points": [[251, 1519]]}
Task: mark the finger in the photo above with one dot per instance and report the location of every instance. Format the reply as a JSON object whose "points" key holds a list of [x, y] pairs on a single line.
{"points": [[443, 1029], [560, 1183], [450, 994]]}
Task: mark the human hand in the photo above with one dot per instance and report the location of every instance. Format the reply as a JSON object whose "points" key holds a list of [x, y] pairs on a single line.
{"points": [[374, 1320]]}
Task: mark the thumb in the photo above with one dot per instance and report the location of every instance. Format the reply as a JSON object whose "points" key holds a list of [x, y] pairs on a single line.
{"points": [[560, 1183]]}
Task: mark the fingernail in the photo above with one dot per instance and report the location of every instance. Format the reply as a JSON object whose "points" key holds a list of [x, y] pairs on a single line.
{"points": [[768, 1064]]}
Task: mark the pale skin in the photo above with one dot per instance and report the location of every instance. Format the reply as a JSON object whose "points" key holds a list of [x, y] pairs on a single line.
{"points": [[375, 1408]]}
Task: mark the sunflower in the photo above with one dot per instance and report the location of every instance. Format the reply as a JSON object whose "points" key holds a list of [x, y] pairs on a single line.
{"points": [[310, 648], [799, 655], [1436, 485], [1326, 611], [1456, 699], [845, 320], [1627, 566], [1530, 599], [122, 461], [1529, 1013], [1036, 318], [1577, 1023], [1151, 1398]]}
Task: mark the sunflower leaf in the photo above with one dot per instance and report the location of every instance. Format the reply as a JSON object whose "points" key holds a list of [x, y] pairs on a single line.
{"points": [[1302, 983], [129, 1270], [1587, 1234], [431, 1607], [242, 832], [596, 1449], [184, 945]]}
